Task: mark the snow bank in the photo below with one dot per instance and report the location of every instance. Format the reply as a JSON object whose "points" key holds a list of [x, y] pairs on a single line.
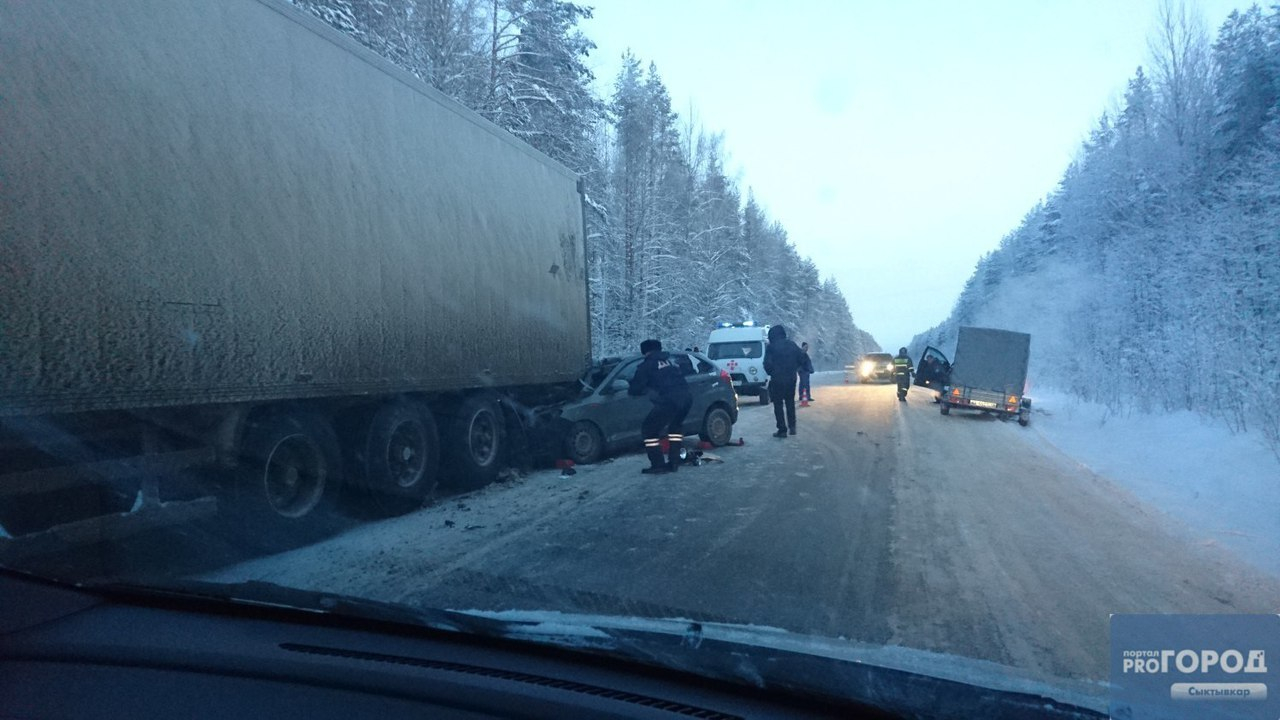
{"points": [[1224, 487]]}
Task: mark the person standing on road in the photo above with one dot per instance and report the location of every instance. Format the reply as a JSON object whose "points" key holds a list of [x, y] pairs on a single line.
{"points": [[782, 361], [663, 381], [902, 370], [806, 369]]}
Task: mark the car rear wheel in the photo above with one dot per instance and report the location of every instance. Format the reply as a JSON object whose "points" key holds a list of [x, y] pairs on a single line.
{"points": [[717, 427]]}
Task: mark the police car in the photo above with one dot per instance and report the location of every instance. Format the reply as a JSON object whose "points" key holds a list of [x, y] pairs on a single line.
{"points": [[738, 349]]}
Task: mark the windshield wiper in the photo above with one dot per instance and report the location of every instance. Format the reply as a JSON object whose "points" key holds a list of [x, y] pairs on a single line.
{"points": [[260, 593]]}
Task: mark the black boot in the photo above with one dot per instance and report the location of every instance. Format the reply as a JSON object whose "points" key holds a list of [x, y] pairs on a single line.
{"points": [[657, 463]]}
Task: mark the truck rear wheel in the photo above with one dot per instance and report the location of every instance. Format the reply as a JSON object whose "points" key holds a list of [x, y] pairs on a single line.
{"points": [[945, 409], [401, 458], [474, 443], [290, 471]]}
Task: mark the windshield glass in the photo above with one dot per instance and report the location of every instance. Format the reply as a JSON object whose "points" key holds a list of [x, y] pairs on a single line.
{"points": [[741, 349], [307, 293]]}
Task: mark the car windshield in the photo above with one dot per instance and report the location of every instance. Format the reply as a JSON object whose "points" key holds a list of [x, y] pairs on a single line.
{"points": [[597, 373], [321, 294], [745, 349]]}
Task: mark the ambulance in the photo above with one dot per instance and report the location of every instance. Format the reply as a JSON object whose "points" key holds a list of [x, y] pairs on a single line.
{"points": [[738, 349]]}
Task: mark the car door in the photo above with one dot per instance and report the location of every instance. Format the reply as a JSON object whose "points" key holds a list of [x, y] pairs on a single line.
{"points": [[934, 370], [620, 413]]}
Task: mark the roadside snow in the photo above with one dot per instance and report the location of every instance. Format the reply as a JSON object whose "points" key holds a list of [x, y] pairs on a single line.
{"points": [[1224, 487]]}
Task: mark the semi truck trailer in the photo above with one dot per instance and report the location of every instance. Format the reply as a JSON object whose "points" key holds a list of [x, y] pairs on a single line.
{"points": [[251, 270]]}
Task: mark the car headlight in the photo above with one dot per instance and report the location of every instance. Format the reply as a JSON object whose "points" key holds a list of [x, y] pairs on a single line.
{"points": [[867, 367], [753, 370]]}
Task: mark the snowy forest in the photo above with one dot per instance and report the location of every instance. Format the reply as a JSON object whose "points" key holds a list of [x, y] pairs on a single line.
{"points": [[673, 246], [1150, 277]]}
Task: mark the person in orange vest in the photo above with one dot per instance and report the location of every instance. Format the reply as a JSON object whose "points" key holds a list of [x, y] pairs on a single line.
{"points": [[902, 371]]}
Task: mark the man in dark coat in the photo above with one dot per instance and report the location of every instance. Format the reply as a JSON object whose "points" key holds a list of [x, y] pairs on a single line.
{"points": [[806, 369], [663, 381], [782, 361]]}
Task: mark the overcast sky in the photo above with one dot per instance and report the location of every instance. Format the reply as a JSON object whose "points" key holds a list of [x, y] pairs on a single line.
{"points": [[896, 141]]}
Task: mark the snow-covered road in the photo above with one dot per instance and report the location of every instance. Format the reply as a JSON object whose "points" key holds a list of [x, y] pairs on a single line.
{"points": [[880, 522]]}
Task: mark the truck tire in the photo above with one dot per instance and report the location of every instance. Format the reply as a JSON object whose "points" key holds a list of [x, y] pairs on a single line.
{"points": [[717, 426], [764, 395], [474, 444], [944, 408], [400, 459], [1024, 417], [585, 443], [289, 477]]}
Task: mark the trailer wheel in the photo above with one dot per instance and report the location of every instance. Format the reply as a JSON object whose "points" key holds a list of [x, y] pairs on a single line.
{"points": [[945, 408], [290, 471], [474, 443], [401, 458], [585, 443], [1024, 417], [717, 427]]}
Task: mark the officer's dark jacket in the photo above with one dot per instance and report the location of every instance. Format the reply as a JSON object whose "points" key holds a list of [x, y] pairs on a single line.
{"points": [[660, 377]]}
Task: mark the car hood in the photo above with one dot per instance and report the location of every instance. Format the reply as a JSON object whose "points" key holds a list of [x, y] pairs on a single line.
{"points": [[896, 678]]}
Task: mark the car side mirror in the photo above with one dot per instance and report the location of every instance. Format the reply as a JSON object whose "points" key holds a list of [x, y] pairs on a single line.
{"points": [[617, 386]]}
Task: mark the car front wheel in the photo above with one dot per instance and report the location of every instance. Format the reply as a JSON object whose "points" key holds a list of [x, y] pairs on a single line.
{"points": [[585, 443]]}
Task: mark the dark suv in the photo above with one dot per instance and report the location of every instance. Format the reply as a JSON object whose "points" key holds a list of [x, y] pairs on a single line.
{"points": [[874, 367], [605, 418]]}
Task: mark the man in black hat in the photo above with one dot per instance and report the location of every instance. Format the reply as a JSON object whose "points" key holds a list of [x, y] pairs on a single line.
{"points": [[663, 381]]}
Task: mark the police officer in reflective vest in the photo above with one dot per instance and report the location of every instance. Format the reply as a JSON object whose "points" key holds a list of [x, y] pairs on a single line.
{"points": [[663, 381], [902, 371]]}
